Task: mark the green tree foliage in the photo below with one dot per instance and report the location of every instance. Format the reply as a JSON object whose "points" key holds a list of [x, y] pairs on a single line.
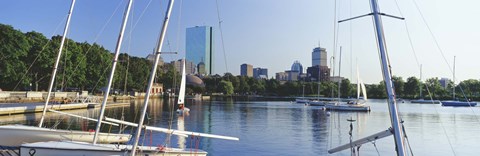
{"points": [[412, 87], [346, 89], [226, 87], [14, 48], [399, 85]]}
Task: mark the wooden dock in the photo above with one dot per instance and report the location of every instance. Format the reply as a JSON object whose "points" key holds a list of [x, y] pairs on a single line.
{"points": [[21, 108]]}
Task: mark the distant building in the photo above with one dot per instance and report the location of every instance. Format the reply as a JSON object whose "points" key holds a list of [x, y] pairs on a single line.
{"points": [[260, 73], [246, 70], [199, 47], [297, 66], [157, 89], [444, 82], [201, 69], [292, 75], [190, 67], [151, 58], [319, 56], [316, 71], [281, 76]]}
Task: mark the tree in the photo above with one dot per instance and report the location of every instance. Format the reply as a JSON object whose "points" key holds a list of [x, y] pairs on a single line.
{"points": [[346, 88], [436, 90], [226, 87], [13, 49], [399, 84], [412, 87]]}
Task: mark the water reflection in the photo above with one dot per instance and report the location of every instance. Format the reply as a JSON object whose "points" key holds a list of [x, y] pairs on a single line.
{"points": [[284, 128]]}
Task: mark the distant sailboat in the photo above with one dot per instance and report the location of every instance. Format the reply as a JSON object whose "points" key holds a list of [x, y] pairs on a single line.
{"points": [[353, 105], [181, 95], [454, 102], [423, 101]]}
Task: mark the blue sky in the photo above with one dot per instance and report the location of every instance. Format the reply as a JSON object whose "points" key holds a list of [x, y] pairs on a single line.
{"points": [[274, 33]]}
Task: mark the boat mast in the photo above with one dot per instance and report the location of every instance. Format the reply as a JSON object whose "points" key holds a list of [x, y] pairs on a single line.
{"points": [[54, 72], [392, 104], [421, 81], [339, 68], [152, 75], [114, 64], [454, 57]]}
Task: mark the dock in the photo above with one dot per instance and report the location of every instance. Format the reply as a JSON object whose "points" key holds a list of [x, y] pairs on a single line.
{"points": [[21, 108]]}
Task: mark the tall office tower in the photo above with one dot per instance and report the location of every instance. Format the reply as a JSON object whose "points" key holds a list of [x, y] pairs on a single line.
{"points": [[246, 70], [319, 57], [199, 47]]}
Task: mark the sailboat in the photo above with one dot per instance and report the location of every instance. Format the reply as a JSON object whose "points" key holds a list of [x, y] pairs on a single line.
{"points": [[60, 148], [354, 105], [423, 101], [15, 135], [181, 95], [455, 102], [360, 89], [396, 129]]}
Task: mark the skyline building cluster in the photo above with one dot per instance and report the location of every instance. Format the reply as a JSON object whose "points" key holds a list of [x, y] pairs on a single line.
{"points": [[319, 71], [249, 71]]}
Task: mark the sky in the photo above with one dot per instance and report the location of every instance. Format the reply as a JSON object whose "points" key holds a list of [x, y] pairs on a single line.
{"points": [[274, 33]]}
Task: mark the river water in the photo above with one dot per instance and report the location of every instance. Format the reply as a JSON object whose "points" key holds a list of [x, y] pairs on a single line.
{"points": [[286, 128]]}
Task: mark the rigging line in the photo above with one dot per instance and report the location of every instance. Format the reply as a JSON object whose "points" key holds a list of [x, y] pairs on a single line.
{"points": [[418, 64], [441, 123], [43, 48], [441, 52], [432, 35], [221, 36], [98, 34], [408, 35], [141, 15], [178, 27]]}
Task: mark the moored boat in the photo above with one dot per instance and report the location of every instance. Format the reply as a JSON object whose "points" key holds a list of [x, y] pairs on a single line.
{"points": [[459, 103]]}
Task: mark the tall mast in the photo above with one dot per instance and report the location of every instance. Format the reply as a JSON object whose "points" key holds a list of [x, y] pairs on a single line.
{"points": [[387, 77], [454, 57], [339, 69], [54, 72], [421, 81], [152, 75], [114, 64]]}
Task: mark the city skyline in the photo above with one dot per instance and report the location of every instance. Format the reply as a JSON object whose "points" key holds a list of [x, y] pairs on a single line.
{"points": [[272, 34]]}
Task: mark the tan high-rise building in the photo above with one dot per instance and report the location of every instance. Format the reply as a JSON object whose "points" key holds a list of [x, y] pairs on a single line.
{"points": [[246, 70]]}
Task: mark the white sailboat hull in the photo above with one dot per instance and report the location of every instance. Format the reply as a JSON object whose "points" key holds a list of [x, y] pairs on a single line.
{"points": [[61, 148], [15, 135], [347, 107]]}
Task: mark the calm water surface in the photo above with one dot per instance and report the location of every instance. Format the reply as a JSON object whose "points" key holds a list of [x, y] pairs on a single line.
{"points": [[286, 128]]}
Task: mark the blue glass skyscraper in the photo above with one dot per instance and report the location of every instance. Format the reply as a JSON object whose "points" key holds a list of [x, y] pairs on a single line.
{"points": [[199, 47]]}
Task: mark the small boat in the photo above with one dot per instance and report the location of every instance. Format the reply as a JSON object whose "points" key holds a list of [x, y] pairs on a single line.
{"points": [[317, 103], [352, 105], [456, 103], [81, 148], [422, 101], [181, 95], [459, 103], [302, 100], [347, 107]]}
